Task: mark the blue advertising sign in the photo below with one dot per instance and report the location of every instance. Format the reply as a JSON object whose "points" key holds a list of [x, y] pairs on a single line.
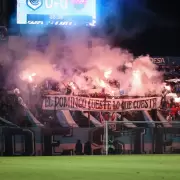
{"points": [[174, 61], [160, 60], [166, 61]]}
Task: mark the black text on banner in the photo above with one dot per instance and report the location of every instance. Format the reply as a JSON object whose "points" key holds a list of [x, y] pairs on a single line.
{"points": [[64, 102]]}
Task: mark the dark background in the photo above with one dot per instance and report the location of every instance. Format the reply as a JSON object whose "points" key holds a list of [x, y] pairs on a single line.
{"points": [[142, 26]]}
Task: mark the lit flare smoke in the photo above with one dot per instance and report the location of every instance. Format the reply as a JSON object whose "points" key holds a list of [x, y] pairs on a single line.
{"points": [[87, 68], [26, 76]]}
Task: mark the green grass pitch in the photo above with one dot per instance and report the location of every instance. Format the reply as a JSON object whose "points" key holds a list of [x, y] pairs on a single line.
{"points": [[125, 167]]}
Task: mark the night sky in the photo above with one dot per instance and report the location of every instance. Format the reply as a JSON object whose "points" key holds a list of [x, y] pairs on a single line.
{"points": [[158, 24], [163, 37], [142, 26]]}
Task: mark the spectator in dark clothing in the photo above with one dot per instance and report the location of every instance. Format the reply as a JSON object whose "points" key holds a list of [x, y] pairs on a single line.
{"points": [[87, 148], [78, 148]]}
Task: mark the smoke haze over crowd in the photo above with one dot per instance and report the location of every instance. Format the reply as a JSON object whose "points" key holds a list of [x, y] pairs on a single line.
{"points": [[69, 60]]}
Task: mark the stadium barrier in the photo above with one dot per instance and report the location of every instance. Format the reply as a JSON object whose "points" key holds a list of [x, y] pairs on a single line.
{"points": [[144, 139], [116, 139]]}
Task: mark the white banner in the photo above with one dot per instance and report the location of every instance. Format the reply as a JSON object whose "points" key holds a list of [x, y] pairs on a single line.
{"points": [[65, 102]]}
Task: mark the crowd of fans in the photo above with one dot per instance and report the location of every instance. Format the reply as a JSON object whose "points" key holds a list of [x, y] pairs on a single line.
{"points": [[11, 110], [171, 107]]}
